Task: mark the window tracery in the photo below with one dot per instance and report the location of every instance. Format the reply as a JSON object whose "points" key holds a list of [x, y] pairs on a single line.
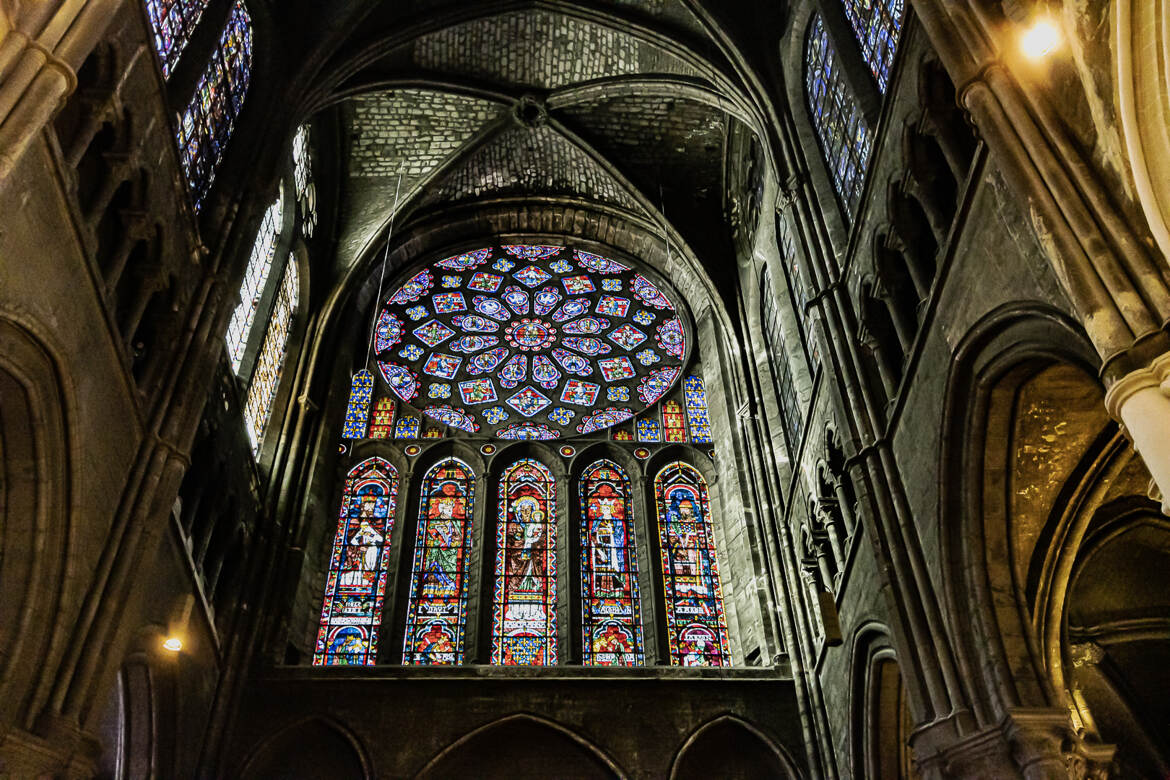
{"points": [[252, 288], [877, 25], [306, 189], [266, 377], [172, 23]]}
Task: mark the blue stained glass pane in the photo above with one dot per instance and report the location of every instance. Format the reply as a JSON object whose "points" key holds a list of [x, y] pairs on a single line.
{"points": [[877, 25], [846, 140], [357, 411], [173, 22], [696, 401]]}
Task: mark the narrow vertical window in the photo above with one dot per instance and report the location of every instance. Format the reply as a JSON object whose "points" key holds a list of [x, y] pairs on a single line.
{"points": [[695, 624], [436, 615], [207, 123], [173, 22], [790, 409], [303, 179], [524, 617], [611, 619], [270, 364], [673, 424], [252, 288], [845, 138], [357, 410], [356, 583], [695, 397], [877, 25], [383, 419]]}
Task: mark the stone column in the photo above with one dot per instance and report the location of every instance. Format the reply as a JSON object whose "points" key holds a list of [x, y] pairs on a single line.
{"points": [[1140, 401]]}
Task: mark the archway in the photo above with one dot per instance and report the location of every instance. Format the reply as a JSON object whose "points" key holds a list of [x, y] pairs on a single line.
{"points": [[732, 749], [307, 751]]}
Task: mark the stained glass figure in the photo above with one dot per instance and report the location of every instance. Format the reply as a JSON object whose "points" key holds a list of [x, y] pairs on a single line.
{"points": [[436, 616], [266, 377], [356, 583], [673, 425], [252, 288], [406, 427], [877, 25], [611, 620], [357, 411], [524, 618], [173, 22], [845, 139], [699, 421], [383, 420], [695, 624], [303, 179], [207, 123]]}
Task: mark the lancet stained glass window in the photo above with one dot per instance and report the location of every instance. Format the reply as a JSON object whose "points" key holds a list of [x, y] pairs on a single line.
{"points": [[207, 123], [357, 411], [437, 608], [673, 424], [695, 397], [356, 583], [695, 624], [877, 25], [252, 288], [845, 139], [611, 616], [406, 427], [303, 179], [266, 377], [383, 419], [173, 22], [524, 608]]}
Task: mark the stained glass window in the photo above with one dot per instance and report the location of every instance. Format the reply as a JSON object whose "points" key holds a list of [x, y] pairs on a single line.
{"points": [[173, 22], [208, 121], [266, 377], [611, 620], [356, 583], [845, 138], [673, 424], [303, 179], [357, 411], [406, 427], [695, 398], [524, 616], [649, 430], [695, 624], [252, 288], [877, 25], [433, 432], [383, 419], [436, 615]]}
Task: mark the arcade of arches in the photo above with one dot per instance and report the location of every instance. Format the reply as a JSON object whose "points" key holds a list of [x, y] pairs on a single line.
{"points": [[597, 388]]}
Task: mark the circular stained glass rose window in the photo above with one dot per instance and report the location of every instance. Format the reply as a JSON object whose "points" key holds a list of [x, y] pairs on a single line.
{"points": [[530, 342]]}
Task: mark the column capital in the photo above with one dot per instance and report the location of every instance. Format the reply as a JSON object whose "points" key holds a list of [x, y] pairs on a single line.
{"points": [[1155, 374]]}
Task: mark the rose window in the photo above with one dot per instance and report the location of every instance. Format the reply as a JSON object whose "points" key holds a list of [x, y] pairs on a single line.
{"points": [[530, 342]]}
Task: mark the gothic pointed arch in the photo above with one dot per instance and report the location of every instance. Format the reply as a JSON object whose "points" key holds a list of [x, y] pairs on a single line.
{"points": [[733, 748]]}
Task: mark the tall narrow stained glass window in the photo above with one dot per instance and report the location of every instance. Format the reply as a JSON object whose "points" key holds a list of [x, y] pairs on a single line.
{"points": [[877, 25], [611, 615], [673, 425], [207, 123], [696, 627], [845, 139], [303, 178], [269, 364], [695, 397], [383, 420], [524, 616], [173, 22], [436, 615], [357, 410], [356, 583], [252, 288]]}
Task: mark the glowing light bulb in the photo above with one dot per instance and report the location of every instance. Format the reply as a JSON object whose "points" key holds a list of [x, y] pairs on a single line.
{"points": [[174, 644], [1039, 40]]}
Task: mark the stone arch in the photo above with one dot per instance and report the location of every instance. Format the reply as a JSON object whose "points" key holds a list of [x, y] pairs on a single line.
{"points": [[313, 748], [37, 506], [730, 747], [880, 721], [521, 745]]}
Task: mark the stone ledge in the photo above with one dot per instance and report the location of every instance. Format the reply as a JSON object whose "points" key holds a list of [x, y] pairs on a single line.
{"points": [[565, 674]]}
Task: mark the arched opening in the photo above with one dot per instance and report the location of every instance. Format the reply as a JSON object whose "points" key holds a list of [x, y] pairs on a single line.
{"points": [[313, 750], [731, 749]]}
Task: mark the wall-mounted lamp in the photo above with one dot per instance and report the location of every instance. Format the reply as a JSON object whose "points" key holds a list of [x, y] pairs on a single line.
{"points": [[1040, 39], [173, 643]]}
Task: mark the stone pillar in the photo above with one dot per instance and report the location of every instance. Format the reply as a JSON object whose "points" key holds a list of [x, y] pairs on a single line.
{"points": [[1140, 401]]}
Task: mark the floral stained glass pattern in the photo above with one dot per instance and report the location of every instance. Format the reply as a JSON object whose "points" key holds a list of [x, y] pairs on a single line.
{"points": [[611, 620], [356, 583], [266, 377], [436, 615], [845, 138], [696, 627], [406, 427], [173, 22], [252, 288], [524, 619], [357, 411], [877, 25], [207, 123], [695, 398]]}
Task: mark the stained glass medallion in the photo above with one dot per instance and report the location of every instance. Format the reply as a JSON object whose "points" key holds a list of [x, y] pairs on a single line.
{"points": [[520, 328]]}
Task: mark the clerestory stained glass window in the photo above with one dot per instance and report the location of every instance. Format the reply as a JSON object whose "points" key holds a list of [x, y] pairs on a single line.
{"points": [[207, 123], [846, 140], [877, 25], [436, 616], [266, 377], [252, 288], [357, 411], [695, 397], [173, 22], [611, 615], [695, 624], [356, 583], [303, 179], [524, 615]]}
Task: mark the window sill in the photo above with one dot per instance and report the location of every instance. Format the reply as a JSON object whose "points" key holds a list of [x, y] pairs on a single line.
{"points": [[531, 673]]}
